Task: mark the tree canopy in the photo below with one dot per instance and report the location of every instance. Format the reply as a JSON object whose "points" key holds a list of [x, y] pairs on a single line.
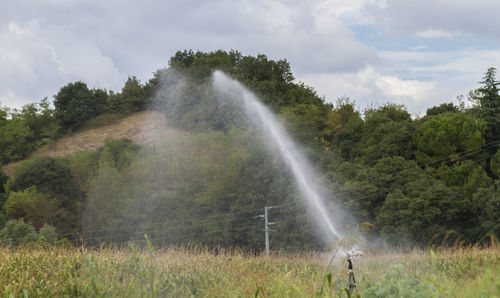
{"points": [[414, 180]]}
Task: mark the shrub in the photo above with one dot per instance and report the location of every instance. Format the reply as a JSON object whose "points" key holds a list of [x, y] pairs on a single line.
{"points": [[17, 232]]}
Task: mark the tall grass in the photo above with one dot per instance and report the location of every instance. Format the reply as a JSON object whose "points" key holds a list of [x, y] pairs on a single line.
{"points": [[186, 272]]}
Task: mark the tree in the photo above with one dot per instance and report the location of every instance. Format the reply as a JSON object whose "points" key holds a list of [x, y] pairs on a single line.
{"points": [[75, 104], [442, 109], [421, 210], [489, 104], [35, 207], [16, 140], [445, 136], [26, 130], [304, 121], [342, 113], [3, 180], [17, 232], [466, 175], [50, 176], [53, 178], [387, 131], [495, 164], [118, 154], [4, 113], [386, 113], [134, 97], [486, 206], [48, 233]]}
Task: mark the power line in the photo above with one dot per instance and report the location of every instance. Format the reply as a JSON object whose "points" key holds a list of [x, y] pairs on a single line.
{"points": [[215, 219], [445, 171], [401, 171], [285, 206]]}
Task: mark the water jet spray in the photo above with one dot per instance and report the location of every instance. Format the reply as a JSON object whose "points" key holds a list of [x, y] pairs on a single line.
{"points": [[279, 140]]}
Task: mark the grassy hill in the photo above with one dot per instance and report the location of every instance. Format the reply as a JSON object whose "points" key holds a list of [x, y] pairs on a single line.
{"points": [[142, 127]]}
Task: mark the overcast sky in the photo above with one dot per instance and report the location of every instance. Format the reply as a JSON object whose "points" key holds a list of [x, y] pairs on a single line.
{"points": [[418, 53]]}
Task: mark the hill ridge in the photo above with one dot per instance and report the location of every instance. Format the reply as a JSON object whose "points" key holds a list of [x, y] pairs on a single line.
{"points": [[146, 127]]}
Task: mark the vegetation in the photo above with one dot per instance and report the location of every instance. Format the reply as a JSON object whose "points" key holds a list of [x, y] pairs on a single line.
{"points": [[413, 180], [180, 272]]}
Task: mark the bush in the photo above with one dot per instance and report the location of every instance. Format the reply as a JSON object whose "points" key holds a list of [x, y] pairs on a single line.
{"points": [[31, 205], [48, 233], [49, 175], [17, 232]]}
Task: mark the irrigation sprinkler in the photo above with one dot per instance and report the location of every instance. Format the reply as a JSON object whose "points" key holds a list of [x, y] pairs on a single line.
{"points": [[351, 281]]}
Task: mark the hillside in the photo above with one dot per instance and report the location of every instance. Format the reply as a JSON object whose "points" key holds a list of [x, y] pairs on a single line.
{"points": [[142, 127], [422, 181]]}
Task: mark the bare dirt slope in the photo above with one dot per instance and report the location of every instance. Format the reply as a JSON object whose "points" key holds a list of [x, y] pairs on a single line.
{"points": [[143, 127]]}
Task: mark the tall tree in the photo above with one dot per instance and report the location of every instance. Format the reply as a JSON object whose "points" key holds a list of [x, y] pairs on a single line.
{"points": [[446, 136], [134, 97], [489, 105], [75, 104]]}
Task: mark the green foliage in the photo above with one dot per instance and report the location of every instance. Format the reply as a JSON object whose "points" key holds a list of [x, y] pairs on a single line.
{"points": [[83, 166], [396, 283], [418, 212], [17, 232], [468, 175], [34, 207], [26, 130], [338, 118], [304, 121], [446, 135], [3, 181], [53, 178], [118, 154], [187, 97], [133, 97], [443, 108], [488, 101], [75, 104], [206, 185], [386, 113], [16, 140], [495, 164], [4, 114], [49, 175], [48, 233]]}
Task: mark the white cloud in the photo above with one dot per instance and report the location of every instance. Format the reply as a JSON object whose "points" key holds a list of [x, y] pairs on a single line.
{"points": [[476, 19], [352, 10], [436, 33], [412, 91], [36, 61], [420, 47], [368, 87], [418, 79], [45, 44]]}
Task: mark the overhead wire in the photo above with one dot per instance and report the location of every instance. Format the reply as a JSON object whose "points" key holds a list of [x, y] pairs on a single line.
{"points": [[216, 219]]}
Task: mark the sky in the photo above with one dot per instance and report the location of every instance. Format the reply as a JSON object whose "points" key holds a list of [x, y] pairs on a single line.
{"points": [[417, 53]]}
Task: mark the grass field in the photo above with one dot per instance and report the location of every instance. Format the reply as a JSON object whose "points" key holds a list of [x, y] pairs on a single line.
{"points": [[176, 272]]}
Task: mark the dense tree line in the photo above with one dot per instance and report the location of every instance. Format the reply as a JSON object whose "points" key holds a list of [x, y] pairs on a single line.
{"points": [[413, 180]]}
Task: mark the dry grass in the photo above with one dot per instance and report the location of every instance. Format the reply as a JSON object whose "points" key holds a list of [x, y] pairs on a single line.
{"points": [[142, 127]]}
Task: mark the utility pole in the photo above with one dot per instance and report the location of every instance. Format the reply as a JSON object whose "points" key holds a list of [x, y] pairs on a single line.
{"points": [[266, 229], [267, 224]]}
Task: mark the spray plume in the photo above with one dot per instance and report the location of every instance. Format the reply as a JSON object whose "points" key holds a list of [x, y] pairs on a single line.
{"points": [[277, 137]]}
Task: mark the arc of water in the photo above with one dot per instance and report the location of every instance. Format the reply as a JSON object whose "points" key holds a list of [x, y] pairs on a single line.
{"points": [[303, 174]]}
